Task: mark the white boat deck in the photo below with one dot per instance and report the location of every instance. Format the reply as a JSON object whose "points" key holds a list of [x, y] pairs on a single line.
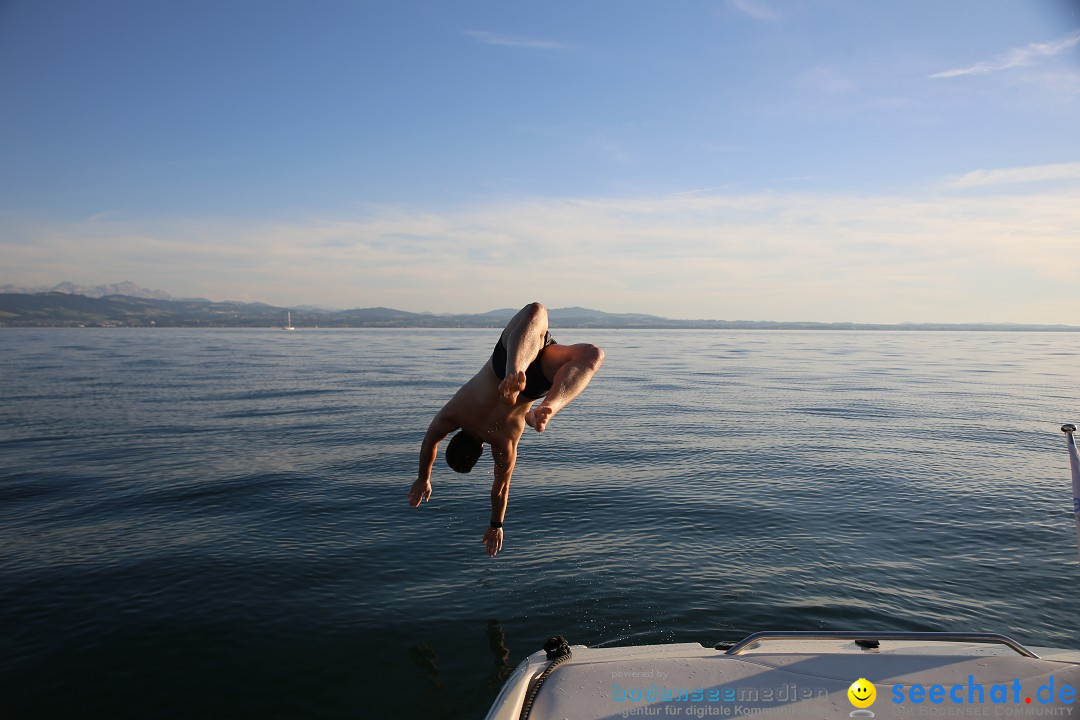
{"points": [[791, 677]]}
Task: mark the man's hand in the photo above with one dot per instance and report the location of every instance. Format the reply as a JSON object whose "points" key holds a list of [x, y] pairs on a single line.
{"points": [[493, 539], [421, 490]]}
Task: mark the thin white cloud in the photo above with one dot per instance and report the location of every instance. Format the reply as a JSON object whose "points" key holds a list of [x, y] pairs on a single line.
{"points": [[755, 9], [827, 80], [490, 38], [1016, 57], [1015, 176], [766, 255], [611, 150]]}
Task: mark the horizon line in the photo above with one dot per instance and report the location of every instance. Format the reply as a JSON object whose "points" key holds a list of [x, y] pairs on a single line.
{"points": [[825, 324]]}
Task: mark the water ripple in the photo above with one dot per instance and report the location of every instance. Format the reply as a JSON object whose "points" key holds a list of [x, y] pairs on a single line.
{"points": [[221, 514]]}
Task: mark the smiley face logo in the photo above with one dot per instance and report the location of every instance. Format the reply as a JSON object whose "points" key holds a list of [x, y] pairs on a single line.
{"points": [[862, 693]]}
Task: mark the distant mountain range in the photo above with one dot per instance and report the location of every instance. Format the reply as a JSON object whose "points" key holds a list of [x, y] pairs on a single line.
{"points": [[60, 309], [126, 288], [127, 305]]}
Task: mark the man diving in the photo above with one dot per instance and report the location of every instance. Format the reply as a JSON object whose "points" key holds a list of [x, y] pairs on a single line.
{"points": [[495, 405]]}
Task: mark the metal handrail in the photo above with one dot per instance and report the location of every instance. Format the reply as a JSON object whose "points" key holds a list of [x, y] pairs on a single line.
{"points": [[972, 637]]}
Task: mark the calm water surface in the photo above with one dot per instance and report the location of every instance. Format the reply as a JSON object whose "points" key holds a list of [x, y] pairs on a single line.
{"points": [[214, 523]]}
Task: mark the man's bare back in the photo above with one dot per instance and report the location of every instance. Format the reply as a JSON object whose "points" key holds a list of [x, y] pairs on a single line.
{"points": [[493, 410]]}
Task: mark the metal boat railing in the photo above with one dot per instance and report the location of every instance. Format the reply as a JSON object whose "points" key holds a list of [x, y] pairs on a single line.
{"points": [[969, 637]]}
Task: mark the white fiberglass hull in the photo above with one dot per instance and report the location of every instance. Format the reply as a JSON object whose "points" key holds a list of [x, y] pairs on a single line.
{"points": [[799, 675]]}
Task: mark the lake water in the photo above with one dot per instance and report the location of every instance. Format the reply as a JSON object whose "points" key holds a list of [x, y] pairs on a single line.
{"points": [[213, 523]]}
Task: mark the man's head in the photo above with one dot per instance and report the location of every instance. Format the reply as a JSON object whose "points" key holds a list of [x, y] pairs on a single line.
{"points": [[463, 451]]}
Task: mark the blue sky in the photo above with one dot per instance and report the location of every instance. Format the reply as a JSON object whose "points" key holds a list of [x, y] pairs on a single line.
{"points": [[737, 159]]}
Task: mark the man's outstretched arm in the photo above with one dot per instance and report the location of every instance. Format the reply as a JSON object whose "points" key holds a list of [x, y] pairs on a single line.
{"points": [[500, 495], [421, 489]]}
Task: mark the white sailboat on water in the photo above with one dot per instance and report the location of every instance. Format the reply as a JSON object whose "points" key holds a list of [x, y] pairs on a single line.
{"points": [[288, 322]]}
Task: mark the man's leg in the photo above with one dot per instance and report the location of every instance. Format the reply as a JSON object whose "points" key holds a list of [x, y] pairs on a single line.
{"points": [[523, 338], [570, 368]]}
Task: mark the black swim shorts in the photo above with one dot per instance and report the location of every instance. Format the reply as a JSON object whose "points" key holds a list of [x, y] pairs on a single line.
{"points": [[536, 383]]}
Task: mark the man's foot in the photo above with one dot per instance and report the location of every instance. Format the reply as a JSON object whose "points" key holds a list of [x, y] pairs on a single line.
{"points": [[511, 386], [538, 417]]}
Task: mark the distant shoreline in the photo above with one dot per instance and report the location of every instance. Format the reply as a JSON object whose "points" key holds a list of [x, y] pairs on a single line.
{"points": [[780, 327], [59, 309]]}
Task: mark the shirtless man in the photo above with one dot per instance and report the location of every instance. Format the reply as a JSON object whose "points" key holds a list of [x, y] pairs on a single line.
{"points": [[494, 407]]}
